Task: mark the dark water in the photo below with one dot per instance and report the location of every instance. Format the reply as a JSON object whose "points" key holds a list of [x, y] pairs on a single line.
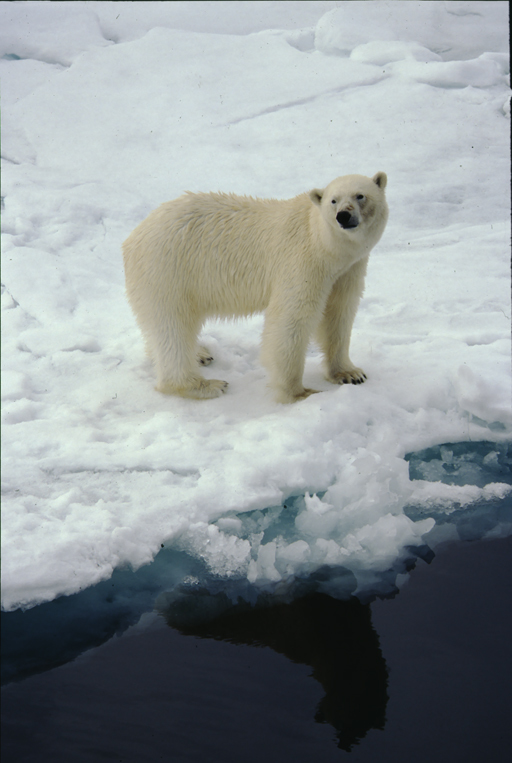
{"points": [[425, 676]]}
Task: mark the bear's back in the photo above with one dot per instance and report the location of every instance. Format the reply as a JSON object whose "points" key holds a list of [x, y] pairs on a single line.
{"points": [[219, 252]]}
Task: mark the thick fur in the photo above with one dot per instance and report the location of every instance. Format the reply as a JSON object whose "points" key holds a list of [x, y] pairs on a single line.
{"points": [[302, 260]]}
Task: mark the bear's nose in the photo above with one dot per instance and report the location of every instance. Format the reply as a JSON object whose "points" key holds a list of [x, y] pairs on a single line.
{"points": [[346, 220]]}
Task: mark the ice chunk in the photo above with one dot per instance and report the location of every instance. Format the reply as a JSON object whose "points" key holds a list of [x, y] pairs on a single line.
{"points": [[384, 52], [48, 33], [479, 72], [477, 396], [455, 30], [263, 570]]}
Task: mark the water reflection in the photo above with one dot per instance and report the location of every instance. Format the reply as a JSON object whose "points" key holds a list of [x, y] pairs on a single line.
{"points": [[335, 637]]}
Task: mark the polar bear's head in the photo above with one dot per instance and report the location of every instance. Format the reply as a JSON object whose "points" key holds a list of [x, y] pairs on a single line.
{"points": [[353, 202]]}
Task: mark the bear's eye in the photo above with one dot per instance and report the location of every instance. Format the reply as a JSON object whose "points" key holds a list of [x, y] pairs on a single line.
{"points": [[333, 201], [360, 197]]}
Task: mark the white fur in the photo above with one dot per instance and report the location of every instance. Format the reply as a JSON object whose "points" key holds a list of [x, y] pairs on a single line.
{"points": [[213, 254]]}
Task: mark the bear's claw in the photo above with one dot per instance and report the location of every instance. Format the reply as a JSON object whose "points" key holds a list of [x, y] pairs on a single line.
{"points": [[355, 376], [203, 356]]}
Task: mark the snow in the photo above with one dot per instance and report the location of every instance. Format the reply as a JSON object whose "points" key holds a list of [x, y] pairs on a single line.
{"points": [[453, 30], [110, 109]]}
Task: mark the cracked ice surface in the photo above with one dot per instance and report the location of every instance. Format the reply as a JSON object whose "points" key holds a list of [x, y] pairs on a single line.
{"points": [[110, 109]]}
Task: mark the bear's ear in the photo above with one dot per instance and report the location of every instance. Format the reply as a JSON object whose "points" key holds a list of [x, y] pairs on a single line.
{"points": [[380, 179], [316, 196]]}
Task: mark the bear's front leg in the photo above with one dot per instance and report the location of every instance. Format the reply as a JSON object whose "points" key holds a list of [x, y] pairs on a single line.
{"points": [[284, 344], [335, 328]]}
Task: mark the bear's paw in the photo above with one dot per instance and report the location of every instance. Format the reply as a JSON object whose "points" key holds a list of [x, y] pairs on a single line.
{"points": [[204, 356], [354, 376], [200, 389], [286, 397]]}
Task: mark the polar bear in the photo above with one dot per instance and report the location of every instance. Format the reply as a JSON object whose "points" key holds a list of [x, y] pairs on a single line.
{"points": [[303, 261]]}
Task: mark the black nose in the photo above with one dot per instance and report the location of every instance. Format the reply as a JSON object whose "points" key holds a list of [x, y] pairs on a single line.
{"points": [[346, 220]]}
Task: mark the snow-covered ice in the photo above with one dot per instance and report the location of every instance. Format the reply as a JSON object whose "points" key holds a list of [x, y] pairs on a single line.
{"points": [[109, 109]]}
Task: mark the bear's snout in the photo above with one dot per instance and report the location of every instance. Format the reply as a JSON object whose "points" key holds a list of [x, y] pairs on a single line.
{"points": [[346, 219]]}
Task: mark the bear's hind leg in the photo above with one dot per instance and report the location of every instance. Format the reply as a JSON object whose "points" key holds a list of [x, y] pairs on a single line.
{"points": [[176, 355]]}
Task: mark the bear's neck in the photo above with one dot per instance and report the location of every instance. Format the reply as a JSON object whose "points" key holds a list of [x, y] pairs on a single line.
{"points": [[341, 250]]}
